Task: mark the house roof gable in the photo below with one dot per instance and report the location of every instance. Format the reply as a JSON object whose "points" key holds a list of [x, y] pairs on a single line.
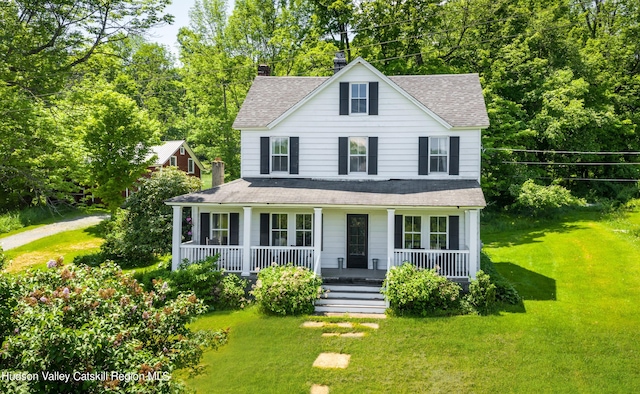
{"points": [[454, 100], [168, 148]]}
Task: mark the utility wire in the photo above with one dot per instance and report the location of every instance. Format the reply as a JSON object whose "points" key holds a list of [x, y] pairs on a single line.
{"points": [[569, 152], [550, 163]]}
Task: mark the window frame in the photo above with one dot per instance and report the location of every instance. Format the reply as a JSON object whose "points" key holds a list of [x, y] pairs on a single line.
{"points": [[364, 155], [279, 230], [412, 233], [446, 155], [173, 161], [360, 98], [439, 233], [273, 155], [306, 232], [182, 150], [220, 230], [190, 166]]}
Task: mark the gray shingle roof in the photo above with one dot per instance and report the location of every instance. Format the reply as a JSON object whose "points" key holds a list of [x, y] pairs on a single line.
{"points": [[456, 98], [390, 193]]}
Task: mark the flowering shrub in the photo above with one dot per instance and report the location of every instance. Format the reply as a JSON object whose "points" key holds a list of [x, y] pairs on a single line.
{"points": [[482, 295], [287, 290], [83, 320], [418, 292]]}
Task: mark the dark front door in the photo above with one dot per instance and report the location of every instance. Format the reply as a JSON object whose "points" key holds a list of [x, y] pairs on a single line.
{"points": [[357, 235]]}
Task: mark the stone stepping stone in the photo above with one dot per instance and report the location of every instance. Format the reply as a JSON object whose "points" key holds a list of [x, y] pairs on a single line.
{"points": [[313, 324], [332, 360], [375, 326], [344, 325], [319, 389], [331, 334]]}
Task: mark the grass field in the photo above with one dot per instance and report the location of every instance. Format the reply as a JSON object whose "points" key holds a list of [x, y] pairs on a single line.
{"points": [[578, 329]]}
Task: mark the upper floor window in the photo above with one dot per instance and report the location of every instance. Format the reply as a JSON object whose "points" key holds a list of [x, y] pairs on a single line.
{"points": [[219, 229], [304, 229], [190, 168], [173, 161], [280, 154], [358, 98], [358, 154], [182, 150], [438, 154], [438, 232], [279, 229], [412, 232]]}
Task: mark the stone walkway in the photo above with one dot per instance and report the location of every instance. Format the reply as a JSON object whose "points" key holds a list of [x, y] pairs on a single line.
{"points": [[335, 360], [14, 241]]}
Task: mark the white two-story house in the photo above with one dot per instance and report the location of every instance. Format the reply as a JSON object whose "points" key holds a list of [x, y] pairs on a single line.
{"points": [[357, 172]]}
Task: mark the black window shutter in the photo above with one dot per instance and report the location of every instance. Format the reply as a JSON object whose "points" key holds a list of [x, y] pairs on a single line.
{"points": [[454, 232], [423, 156], [454, 155], [373, 98], [397, 238], [204, 227], [344, 98], [234, 228], [264, 155], [294, 154], [373, 156], [343, 155], [264, 229]]}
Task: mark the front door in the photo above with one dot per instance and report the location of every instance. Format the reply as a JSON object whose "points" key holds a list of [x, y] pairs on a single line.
{"points": [[357, 235]]}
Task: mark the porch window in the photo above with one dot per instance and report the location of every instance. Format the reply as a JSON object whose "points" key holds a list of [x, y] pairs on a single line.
{"points": [[438, 154], [279, 229], [304, 229], [190, 166], [412, 232], [280, 154], [219, 229], [358, 98], [358, 154], [438, 232]]}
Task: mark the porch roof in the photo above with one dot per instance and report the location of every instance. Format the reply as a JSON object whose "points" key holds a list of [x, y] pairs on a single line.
{"points": [[295, 191]]}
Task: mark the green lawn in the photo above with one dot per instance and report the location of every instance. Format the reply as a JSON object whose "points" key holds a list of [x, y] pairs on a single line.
{"points": [[577, 331], [15, 222]]}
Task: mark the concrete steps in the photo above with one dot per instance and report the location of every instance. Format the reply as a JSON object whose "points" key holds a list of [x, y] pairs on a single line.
{"points": [[352, 298]]}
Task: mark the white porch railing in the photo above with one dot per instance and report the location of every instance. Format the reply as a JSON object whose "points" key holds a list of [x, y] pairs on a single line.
{"points": [[230, 256], [264, 256], [449, 263]]}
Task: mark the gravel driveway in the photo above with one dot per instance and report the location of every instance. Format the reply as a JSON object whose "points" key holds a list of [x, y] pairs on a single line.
{"points": [[26, 237]]}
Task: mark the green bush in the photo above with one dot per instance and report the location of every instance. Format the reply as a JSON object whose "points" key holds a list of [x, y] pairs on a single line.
{"points": [[287, 290], [3, 259], [218, 290], [71, 319], [505, 292], [535, 198], [482, 295], [418, 292], [143, 229]]}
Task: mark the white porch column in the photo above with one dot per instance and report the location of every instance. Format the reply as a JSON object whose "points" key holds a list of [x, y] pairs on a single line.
{"points": [[176, 238], [391, 223], [317, 240], [195, 225], [246, 242], [474, 242]]}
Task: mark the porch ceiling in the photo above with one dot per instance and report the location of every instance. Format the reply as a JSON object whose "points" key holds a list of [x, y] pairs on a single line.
{"points": [[389, 193]]}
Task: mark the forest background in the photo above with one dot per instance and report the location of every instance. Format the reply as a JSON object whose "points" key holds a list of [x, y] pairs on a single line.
{"points": [[83, 95]]}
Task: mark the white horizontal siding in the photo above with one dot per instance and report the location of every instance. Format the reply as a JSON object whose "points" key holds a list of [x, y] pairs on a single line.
{"points": [[398, 126]]}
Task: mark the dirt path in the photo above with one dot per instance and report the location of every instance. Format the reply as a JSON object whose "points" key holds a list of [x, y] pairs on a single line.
{"points": [[26, 237]]}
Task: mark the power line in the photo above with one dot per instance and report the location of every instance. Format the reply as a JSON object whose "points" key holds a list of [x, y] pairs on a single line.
{"points": [[583, 179], [551, 163], [568, 152]]}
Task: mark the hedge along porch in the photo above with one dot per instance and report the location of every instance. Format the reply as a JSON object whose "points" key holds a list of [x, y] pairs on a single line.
{"points": [[329, 225]]}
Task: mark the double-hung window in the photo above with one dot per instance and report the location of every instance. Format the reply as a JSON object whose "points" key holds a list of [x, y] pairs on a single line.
{"points": [[438, 154], [304, 229], [358, 154], [182, 150], [190, 166], [173, 161], [279, 229], [358, 98], [438, 232], [219, 229], [280, 154], [412, 232]]}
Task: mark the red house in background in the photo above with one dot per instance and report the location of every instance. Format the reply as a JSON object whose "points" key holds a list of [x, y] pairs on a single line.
{"points": [[178, 154]]}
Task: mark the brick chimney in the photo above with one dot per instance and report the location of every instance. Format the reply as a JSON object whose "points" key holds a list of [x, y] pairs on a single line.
{"points": [[217, 172], [264, 70], [339, 62]]}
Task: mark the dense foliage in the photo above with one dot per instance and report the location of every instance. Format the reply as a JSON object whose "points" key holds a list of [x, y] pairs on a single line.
{"points": [[142, 230], [85, 320], [505, 292], [482, 295], [418, 292], [531, 197], [286, 290], [217, 290]]}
